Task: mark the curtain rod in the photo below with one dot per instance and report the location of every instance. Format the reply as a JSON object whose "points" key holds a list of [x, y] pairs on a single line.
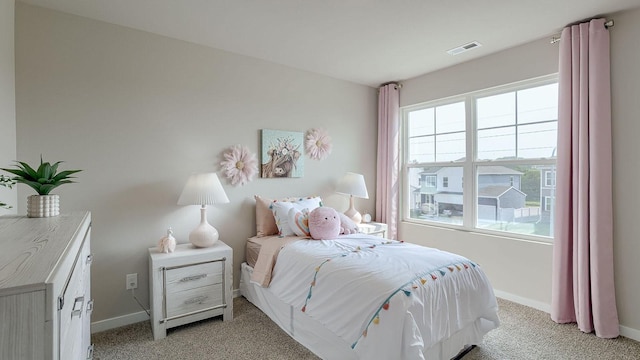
{"points": [[607, 25]]}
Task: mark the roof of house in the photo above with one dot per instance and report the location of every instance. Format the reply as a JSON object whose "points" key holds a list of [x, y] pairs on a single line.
{"points": [[496, 191]]}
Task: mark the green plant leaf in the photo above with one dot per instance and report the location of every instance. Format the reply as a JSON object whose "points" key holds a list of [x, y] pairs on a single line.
{"points": [[65, 174], [17, 172], [46, 189], [31, 174]]}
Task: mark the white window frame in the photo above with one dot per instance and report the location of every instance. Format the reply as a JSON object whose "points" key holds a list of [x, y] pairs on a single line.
{"points": [[470, 164]]}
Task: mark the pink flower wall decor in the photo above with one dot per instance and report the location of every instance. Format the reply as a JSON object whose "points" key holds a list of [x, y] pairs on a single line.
{"points": [[240, 165], [317, 144]]}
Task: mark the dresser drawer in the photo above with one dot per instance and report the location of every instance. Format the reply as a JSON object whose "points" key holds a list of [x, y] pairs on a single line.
{"points": [[193, 276], [194, 300]]}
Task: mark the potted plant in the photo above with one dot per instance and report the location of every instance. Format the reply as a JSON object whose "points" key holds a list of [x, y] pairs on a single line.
{"points": [[42, 180]]}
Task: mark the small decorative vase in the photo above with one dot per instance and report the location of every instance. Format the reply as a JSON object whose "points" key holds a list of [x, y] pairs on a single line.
{"points": [[39, 206]]}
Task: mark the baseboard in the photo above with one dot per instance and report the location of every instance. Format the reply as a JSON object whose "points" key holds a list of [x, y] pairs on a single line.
{"points": [[118, 321], [523, 301], [627, 332], [630, 333], [124, 320]]}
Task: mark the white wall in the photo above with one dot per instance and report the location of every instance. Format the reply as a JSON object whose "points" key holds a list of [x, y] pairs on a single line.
{"points": [[141, 112], [521, 270], [7, 99]]}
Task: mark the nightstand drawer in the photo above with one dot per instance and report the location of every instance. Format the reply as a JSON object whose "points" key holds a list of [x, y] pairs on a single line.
{"points": [[194, 276], [194, 299]]}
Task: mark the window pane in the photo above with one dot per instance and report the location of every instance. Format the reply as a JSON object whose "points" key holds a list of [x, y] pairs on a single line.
{"points": [[496, 110], [450, 118], [429, 200], [421, 149], [497, 143], [526, 207], [538, 104], [450, 147], [421, 122], [537, 140]]}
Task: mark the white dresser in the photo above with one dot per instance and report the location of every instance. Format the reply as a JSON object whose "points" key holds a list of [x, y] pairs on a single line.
{"points": [[45, 297], [189, 284]]}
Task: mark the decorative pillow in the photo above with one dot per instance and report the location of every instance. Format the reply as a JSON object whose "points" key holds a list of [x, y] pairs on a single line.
{"points": [[299, 221], [281, 209], [324, 223], [265, 223]]}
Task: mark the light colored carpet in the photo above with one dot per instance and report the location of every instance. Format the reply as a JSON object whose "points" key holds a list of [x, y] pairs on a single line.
{"points": [[525, 333]]}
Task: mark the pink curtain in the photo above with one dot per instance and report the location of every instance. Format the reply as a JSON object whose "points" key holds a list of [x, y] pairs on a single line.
{"points": [[582, 285], [387, 185]]}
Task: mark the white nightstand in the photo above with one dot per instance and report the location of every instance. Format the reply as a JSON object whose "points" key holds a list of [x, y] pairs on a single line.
{"points": [[189, 284], [373, 228]]}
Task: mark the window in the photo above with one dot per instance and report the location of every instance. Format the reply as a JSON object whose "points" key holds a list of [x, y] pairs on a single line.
{"points": [[549, 178], [431, 181], [504, 140], [547, 203]]}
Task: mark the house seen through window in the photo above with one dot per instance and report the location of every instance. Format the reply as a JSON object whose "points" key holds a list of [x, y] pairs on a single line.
{"points": [[504, 139]]}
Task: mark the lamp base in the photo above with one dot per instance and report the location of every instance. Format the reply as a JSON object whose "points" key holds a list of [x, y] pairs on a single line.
{"points": [[204, 235], [352, 213]]}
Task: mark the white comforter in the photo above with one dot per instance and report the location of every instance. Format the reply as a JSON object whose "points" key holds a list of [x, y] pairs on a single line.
{"points": [[388, 299]]}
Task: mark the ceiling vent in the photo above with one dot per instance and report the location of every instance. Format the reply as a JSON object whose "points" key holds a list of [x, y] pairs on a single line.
{"points": [[463, 48]]}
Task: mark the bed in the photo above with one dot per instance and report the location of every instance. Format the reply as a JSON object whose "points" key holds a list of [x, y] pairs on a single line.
{"points": [[365, 297]]}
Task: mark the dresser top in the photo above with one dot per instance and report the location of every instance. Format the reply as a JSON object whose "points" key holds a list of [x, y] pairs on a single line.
{"points": [[33, 247]]}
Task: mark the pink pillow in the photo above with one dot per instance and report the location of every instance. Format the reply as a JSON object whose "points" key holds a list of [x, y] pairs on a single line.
{"points": [[265, 223]]}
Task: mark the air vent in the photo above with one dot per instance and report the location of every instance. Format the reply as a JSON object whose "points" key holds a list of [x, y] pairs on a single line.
{"points": [[463, 48]]}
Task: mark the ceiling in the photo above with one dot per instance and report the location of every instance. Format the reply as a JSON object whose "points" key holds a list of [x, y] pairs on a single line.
{"points": [[363, 41]]}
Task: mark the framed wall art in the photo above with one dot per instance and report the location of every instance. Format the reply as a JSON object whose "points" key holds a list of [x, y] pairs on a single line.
{"points": [[282, 154]]}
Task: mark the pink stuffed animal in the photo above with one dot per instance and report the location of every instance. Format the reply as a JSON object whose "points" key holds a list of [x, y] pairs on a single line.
{"points": [[347, 226], [324, 223]]}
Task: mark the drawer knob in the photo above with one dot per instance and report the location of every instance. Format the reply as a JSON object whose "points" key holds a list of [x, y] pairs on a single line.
{"points": [[89, 259], [193, 277]]}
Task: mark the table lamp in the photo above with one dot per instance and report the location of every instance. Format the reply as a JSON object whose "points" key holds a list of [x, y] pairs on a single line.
{"points": [[352, 184], [203, 189]]}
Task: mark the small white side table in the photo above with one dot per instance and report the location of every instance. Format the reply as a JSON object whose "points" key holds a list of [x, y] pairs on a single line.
{"points": [[373, 228], [190, 284]]}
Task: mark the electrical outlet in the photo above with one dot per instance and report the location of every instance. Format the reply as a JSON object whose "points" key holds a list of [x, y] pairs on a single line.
{"points": [[132, 281]]}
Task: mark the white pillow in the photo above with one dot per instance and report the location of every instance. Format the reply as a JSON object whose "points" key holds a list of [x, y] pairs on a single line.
{"points": [[281, 209]]}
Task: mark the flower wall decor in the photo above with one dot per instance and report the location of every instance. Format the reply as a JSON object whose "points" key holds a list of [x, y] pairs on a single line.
{"points": [[317, 144], [240, 165]]}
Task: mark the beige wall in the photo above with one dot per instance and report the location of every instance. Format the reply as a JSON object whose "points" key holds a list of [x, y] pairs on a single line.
{"points": [[140, 113], [7, 99], [521, 270]]}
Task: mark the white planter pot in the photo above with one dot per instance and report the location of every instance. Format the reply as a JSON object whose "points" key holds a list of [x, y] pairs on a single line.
{"points": [[39, 206]]}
